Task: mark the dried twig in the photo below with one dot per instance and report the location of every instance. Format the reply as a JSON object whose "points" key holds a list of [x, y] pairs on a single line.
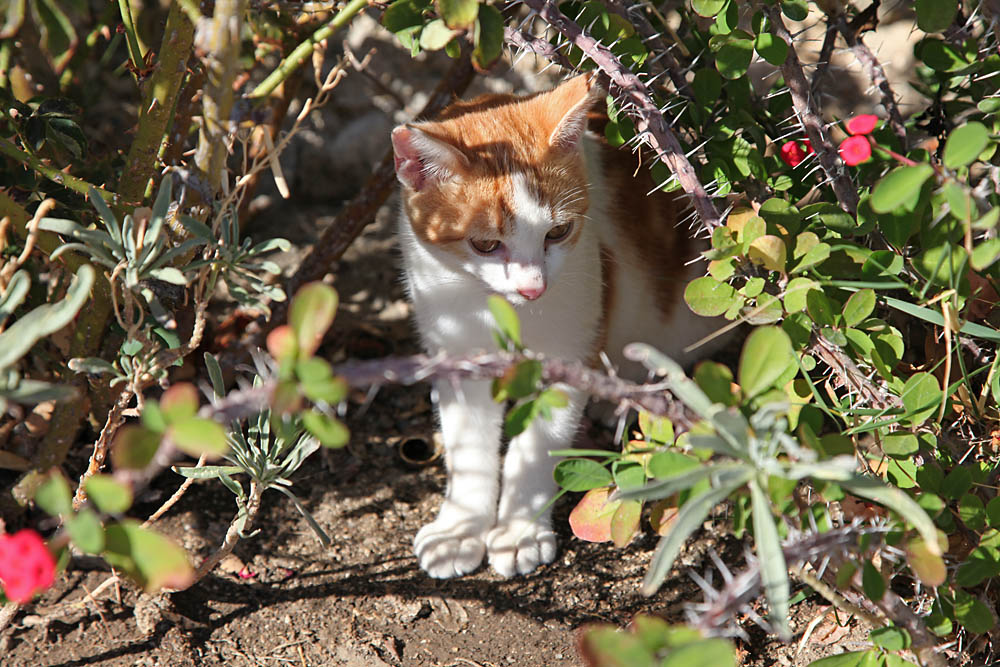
{"points": [[850, 375], [638, 104], [808, 115]]}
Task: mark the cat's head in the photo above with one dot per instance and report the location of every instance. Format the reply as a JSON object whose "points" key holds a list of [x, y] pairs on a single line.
{"points": [[498, 186]]}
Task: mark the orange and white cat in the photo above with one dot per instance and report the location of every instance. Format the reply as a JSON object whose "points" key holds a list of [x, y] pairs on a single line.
{"points": [[511, 195]]}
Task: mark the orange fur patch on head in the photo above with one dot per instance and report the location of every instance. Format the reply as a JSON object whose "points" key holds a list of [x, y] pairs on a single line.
{"points": [[500, 136]]}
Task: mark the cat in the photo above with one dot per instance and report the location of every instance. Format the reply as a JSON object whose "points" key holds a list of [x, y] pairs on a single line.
{"points": [[513, 196]]}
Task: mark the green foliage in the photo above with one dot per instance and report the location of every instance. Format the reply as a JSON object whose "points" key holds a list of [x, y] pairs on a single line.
{"points": [[651, 641]]}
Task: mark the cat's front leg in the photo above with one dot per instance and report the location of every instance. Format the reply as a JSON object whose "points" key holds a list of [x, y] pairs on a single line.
{"points": [[455, 542], [523, 537]]}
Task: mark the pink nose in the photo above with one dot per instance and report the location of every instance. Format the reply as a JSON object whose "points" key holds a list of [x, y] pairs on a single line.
{"points": [[531, 293]]}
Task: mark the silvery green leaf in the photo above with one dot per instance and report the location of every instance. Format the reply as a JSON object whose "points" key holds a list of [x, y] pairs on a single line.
{"points": [[197, 228], [128, 237], [92, 365], [714, 442], [270, 245], [215, 375], [76, 231], [721, 473], [17, 290], [45, 320], [31, 392], [161, 207], [837, 469], [205, 472], [689, 518], [305, 447], [97, 254], [771, 558], [233, 486], [177, 251], [106, 215], [159, 313], [132, 278], [266, 267], [323, 537], [169, 274], [733, 427]]}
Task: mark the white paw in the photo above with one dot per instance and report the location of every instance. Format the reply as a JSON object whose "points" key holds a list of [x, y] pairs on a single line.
{"points": [[448, 549], [518, 546]]}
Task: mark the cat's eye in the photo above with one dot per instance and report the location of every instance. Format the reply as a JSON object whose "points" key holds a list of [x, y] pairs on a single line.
{"points": [[559, 232], [484, 247]]}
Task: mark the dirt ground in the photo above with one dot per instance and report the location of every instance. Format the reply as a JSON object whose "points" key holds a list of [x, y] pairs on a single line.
{"points": [[363, 602]]}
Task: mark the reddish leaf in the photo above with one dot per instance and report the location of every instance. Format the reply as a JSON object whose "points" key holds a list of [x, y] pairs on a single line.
{"points": [[591, 518], [625, 522]]}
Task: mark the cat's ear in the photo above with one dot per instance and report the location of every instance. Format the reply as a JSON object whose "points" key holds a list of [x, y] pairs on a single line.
{"points": [[421, 159], [569, 105]]}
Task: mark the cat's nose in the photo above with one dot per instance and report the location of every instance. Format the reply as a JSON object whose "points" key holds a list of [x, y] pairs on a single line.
{"points": [[531, 293]]}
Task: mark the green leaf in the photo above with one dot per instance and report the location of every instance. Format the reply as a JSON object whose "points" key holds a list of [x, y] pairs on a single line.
{"points": [[765, 356], [890, 638], [605, 645], [436, 35], [197, 436], [964, 144], [957, 482], [768, 251], [972, 512], [401, 15], [110, 495], [625, 522], [900, 186], [898, 501], [771, 48], [311, 314], [488, 36], [458, 14], [921, 396], [54, 495], [86, 531], [148, 557], [518, 381], [900, 445], [670, 463], [705, 653], [134, 446], [935, 15], [180, 402], [993, 512], [45, 320], [872, 582], [734, 58], [979, 565], [330, 431], [927, 565], [707, 86], [859, 306], [708, 8], [581, 475], [506, 319], [972, 613], [708, 297], [797, 10]]}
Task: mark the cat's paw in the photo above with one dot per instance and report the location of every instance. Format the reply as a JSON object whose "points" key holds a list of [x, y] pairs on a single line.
{"points": [[447, 549], [518, 546]]}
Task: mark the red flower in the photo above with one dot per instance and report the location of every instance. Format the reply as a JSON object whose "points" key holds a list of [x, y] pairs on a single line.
{"points": [[862, 124], [793, 153], [855, 150], [26, 565]]}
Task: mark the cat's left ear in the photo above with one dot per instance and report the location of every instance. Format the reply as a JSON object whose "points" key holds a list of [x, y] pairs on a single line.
{"points": [[569, 105]]}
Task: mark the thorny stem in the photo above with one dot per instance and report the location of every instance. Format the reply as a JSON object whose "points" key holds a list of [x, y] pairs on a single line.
{"points": [[66, 180], [805, 109], [851, 377], [298, 56], [100, 454], [635, 13], [134, 51], [159, 105], [649, 121], [877, 75], [8, 270], [221, 41], [172, 500]]}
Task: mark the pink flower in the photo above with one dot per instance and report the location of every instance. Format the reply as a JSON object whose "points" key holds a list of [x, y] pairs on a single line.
{"points": [[26, 565], [855, 150], [793, 153], [862, 124]]}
